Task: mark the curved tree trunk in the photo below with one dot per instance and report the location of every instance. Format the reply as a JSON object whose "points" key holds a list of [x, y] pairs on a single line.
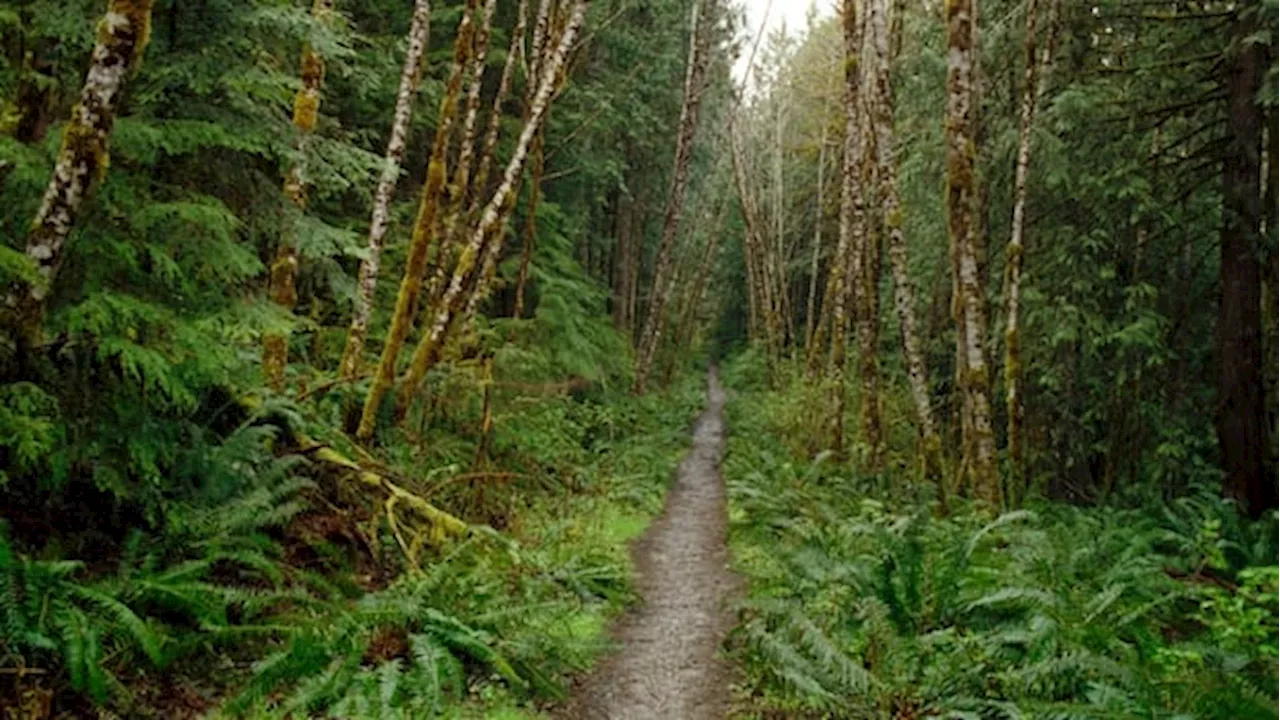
{"points": [[122, 37], [466, 285], [410, 73], [661, 293], [284, 269], [423, 230], [978, 443]]}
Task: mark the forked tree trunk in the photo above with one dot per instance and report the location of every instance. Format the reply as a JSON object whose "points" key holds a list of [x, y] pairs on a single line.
{"points": [[978, 459], [1250, 472], [410, 73], [467, 286], [537, 153], [904, 291], [699, 36], [424, 227], [82, 159], [284, 269], [1014, 252]]}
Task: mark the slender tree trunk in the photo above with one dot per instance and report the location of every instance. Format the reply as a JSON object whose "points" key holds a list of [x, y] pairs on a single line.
{"points": [[410, 73], [622, 261], [480, 253], [685, 330], [1014, 253], [847, 265], [699, 36], [284, 269], [529, 232], [978, 442], [82, 159], [424, 228], [867, 246], [904, 291], [810, 319], [1242, 432], [756, 251], [451, 224]]}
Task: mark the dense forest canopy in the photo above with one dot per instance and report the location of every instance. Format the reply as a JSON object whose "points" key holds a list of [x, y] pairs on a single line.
{"points": [[345, 344]]}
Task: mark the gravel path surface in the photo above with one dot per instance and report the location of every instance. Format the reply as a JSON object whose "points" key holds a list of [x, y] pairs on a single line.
{"points": [[667, 665]]}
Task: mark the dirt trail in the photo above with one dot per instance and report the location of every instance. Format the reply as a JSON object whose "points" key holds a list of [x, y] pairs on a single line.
{"points": [[667, 664]]}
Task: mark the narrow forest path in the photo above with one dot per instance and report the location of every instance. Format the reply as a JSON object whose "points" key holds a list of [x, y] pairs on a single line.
{"points": [[667, 664]]}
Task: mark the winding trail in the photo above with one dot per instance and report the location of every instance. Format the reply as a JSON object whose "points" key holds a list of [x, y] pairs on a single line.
{"points": [[667, 665]]}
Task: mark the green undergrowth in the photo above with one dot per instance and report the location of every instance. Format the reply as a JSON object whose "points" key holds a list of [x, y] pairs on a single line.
{"points": [[259, 597], [862, 603]]}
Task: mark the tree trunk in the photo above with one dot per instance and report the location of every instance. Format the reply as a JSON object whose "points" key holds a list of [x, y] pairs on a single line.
{"points": [[410, 73], [479, 255], [978, 443], [810, 320], [904, 290], [847, 265], [82, 159], [423, 230], [284, 269], [1014, 253], [699, 37], [1249, 471]]}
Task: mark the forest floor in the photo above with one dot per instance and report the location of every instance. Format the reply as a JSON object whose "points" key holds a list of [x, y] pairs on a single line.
{"points": [[667, 661]]}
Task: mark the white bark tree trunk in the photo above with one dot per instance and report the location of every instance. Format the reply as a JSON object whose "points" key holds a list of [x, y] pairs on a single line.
{"points": [[410, 74], [82, 159]]}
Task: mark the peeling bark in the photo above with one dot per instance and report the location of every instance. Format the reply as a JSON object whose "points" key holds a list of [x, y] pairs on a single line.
{"points": [[284, 268], [122, 37], [662, 287], [424, 228], [410, 73]]}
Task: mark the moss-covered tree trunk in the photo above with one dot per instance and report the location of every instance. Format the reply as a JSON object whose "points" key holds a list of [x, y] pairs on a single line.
{"points": [[284, 268], [82, 159], [978, 458], [696, 70], [904, 291], [1014, 251], [423, 230], [353, 352], [466, 286], [847, 265], [451, 226]]}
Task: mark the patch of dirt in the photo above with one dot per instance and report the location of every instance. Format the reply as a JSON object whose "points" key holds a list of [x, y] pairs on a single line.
{"points": [[668, 664]]}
